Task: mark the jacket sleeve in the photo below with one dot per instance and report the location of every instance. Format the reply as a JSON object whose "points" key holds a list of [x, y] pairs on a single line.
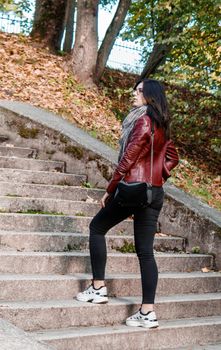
{"points": [[140, 137], [171, 159]]}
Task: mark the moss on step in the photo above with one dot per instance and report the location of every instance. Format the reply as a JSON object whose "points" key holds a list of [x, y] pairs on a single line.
{"points": [[77, 152], [71, 247], [79, 214], [63, 139], [28, 133], [50, 152], [127, 248], [195, 250], [86, 184], [12, 195], [33, 211], [104, 169]]}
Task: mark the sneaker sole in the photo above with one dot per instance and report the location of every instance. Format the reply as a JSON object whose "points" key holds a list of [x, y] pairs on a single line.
{"points": [[94, 301], [145, 325], [103, 301]]}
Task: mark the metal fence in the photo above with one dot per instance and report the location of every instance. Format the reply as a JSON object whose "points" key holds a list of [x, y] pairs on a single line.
{"points": [[124, 56], [11, 23]]}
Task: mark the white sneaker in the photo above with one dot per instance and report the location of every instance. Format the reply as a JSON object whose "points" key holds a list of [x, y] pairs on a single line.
{"points": [[97, 296], [139, 319]]}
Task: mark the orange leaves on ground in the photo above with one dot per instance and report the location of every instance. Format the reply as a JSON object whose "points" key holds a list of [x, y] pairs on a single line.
{"points": [[31, 74], [198, 182]]}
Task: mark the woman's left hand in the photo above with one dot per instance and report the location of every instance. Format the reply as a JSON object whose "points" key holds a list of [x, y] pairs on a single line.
{"points": [[104, 198]]}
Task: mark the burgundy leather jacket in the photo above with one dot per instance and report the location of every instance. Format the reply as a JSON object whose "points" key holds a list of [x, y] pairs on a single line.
{"points": [[135, 163]]}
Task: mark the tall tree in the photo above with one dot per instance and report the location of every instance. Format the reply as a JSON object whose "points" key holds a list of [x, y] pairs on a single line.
{"points": [[181, 35], [48, 25], [84, 54], [86, 61], [69, 25], [110, 37], [54, 18]]}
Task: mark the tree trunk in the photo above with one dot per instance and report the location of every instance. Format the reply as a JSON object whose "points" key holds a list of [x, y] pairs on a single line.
{"points": [[37, 11], [69, 25], [161, 50], [110, 36], [84, 53], [48, 22], [156, 58]]}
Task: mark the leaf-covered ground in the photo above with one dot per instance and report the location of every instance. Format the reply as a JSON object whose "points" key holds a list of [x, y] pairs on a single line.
{"points": [[31, 74]]}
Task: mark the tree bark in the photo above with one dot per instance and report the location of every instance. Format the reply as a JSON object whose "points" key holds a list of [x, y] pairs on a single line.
{"points": [[161, 50], [69, 25], [84, 53], [48, 22], [110, 37], [156, 58], [37, 11]]}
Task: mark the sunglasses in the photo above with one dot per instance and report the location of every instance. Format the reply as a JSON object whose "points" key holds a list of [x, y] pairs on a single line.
{"points": [[138, 91]]}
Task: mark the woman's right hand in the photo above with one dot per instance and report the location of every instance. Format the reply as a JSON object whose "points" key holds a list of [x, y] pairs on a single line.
{"points": [[104, 199]]}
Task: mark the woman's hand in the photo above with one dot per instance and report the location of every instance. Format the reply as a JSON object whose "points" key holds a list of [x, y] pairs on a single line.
{"points": [[104, 198]]}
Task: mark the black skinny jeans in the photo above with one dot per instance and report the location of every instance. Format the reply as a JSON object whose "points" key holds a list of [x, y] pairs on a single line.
{"points": [[145, 224]]}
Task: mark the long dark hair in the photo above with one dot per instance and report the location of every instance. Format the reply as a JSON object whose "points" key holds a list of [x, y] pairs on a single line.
{"points": [[157, 106]]}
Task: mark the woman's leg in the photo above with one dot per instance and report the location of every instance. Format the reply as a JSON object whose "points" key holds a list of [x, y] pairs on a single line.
{"points": [[145, 225], [106, 218]]}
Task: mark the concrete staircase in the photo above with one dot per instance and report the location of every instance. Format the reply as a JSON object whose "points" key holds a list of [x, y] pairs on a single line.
{"points": [[44, 263]]}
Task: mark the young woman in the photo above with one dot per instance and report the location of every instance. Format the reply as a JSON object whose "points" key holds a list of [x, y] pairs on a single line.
{"points": [[149, 106]]}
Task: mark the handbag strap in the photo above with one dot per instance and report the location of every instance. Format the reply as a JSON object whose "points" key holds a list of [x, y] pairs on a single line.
{"points": [[151, 155]]}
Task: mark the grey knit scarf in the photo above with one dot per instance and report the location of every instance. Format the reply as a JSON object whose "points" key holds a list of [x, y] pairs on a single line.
{"points": [[127, 126]]}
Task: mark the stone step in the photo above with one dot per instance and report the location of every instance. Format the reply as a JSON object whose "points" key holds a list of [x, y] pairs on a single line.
{"points": [[67, 207], [14, 338], [34, 315], [79, 262], [25, 287], [171, 334], [55, 223], [60, 242], [40, 177], [32, 164], [216, 346], [50, 191], [21, 152], [44, 205]]}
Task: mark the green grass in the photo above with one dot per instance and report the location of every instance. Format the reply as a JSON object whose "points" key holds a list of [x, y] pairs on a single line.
{"points": [[79, 214], [86, 184], [32, 211], [127, 248], [195, 250]]}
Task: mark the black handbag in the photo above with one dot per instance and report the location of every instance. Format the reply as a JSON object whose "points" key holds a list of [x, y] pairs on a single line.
{"points": [[133, 194]]}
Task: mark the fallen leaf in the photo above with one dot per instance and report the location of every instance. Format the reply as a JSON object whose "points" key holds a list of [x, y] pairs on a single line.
{"points": [[205, 269], [90, 200]]}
